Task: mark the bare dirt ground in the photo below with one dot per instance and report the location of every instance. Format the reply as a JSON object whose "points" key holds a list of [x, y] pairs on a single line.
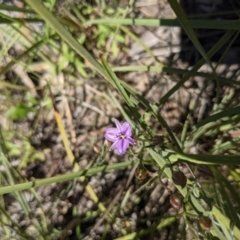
{"points": [[86, 114]]}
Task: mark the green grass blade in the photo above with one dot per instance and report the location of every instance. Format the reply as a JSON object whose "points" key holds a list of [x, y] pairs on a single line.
{"points": [[135, 235], [205, 159], [161, 68], [15, 9], [31, 50], [217, 116], [196, 24], [4, 19], [139, 41], [11, 180], [121, 109], [39, 8], [65, 177], [213, 50], [225, 184], [186, 25], [155, 112], [224, 221], [115, 82]]}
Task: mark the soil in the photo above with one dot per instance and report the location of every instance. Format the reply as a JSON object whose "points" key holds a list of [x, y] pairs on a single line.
{"points": [[86, 115]]}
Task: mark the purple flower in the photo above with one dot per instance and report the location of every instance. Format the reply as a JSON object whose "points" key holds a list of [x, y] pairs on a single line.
{"points": [[120, 136]]}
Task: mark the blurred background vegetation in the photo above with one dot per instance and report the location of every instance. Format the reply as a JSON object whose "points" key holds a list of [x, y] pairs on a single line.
{"points": [[69, 68]]}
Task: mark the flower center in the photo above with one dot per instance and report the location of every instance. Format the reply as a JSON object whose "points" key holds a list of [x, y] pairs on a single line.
{"points": [[121, 136]]}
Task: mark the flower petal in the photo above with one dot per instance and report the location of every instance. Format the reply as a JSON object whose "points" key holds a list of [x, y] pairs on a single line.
{"points": [[111, 134], [130, 140], [127, 129], [122, 146], [114, 146], [118, 125]]}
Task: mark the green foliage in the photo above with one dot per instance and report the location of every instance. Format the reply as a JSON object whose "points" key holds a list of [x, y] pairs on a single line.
{"points": [[104, 34], [18, 112], [25, 152], [78, 41], [21, 149]]}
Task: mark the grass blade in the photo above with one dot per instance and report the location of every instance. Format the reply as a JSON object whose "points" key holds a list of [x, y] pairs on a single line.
{"points": [[213, 50], [217, 116], [65, 177], [196, 24]]}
